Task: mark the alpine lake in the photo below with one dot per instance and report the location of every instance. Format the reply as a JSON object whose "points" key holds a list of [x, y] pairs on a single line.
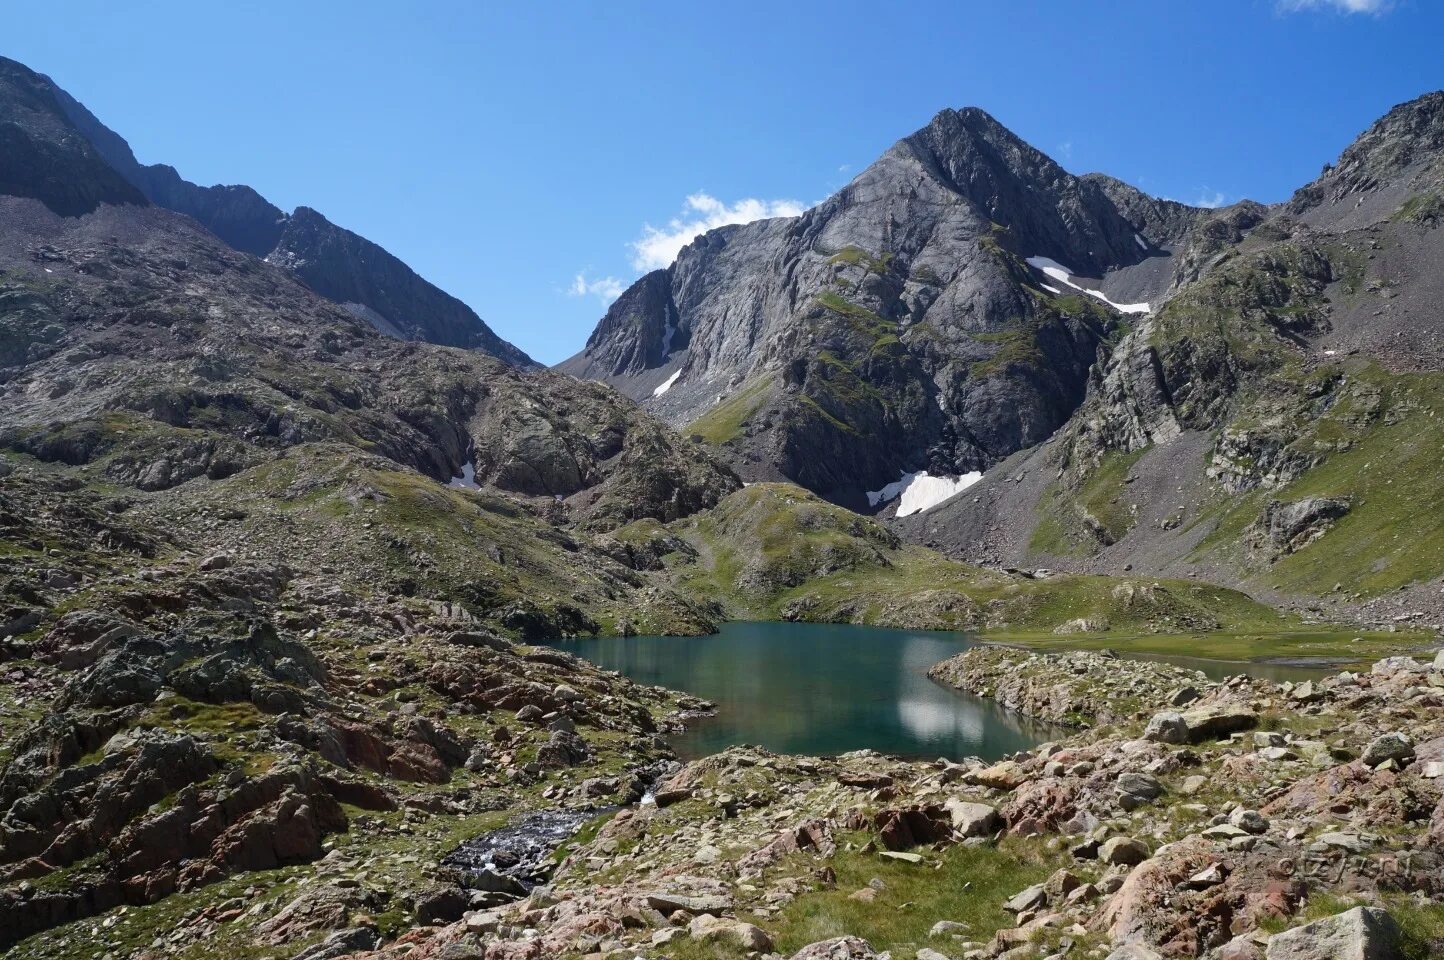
{"points": [[821, 690]]}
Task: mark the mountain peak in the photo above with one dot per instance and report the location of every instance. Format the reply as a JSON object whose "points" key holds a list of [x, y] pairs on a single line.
{"points": [[44, 156], [1402, 145]]}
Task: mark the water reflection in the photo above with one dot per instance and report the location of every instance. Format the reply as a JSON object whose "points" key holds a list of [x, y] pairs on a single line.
{"points": [[819, 689]]}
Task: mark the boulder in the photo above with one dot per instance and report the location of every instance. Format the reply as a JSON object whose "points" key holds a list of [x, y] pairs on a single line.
{"points": [[670, 903], [1250, 821], [441, 904], [838, 948], [1030, 899], [1135, 789], [948, 928], [1133, 951], [1363, 933], [738, 932], [341, 943], [562, 749], [1124, 851], [972, 819], [912, 826], [1287, 527], [1217, 720], [1007, 775], [1167, 727], [1391, 746]]}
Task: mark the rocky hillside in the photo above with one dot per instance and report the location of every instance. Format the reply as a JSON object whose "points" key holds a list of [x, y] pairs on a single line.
{"points": [[1243, 820], [1275, 423], [266, 582], [68, 159], [909, 322]]}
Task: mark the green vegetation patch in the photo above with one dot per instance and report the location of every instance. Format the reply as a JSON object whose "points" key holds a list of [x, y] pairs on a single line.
{"points": [[1075, 522], [725, 421]]}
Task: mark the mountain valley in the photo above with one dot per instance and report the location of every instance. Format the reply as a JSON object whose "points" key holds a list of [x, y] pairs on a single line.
{"points": [[285, 530]]}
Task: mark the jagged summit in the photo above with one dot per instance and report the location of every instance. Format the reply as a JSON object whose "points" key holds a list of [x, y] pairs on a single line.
{"points": [[899, 325], [54, 149]]}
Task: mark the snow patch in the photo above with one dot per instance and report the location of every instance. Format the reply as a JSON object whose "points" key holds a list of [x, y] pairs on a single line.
{"points": [[920, 491], [1142, 243], [1063, 275], [467, 480], [667, 385], [1051, 289]]}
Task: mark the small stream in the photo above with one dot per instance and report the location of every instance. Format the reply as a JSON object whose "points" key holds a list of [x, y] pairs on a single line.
{"points": [[518, 857]]}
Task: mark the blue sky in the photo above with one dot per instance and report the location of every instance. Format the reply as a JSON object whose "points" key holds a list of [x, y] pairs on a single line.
{"points": [[504, 150]]}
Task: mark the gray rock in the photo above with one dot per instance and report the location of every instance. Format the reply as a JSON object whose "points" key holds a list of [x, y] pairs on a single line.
{"points": [[1217, 720], [973, 819], [1363, 933], [738, 932], [838, 948], [1167, 727], [1391, 746], [1133, 951], [1137, 788], [341, 943], [1028, 899], [1287, 527], [1249, 820], [1123, 851], [669, 903]]}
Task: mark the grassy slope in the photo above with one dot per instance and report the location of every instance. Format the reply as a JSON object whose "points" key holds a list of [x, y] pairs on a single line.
{"points": [[775, 551], [1373, 436]]}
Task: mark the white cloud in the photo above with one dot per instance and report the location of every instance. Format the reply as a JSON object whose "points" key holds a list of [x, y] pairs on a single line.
{"points": [[1375, 7], [1208, 199], [605, 289], [1065, 150], [658, 246]]}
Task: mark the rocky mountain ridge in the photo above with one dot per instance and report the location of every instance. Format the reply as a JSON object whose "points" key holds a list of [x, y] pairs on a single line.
{"points": [[334, 262]]}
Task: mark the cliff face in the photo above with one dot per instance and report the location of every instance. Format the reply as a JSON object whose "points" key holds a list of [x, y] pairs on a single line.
{"points": [[899, 325]]}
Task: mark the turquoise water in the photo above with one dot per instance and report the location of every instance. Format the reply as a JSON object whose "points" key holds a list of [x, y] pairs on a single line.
{"points": [[819, 690]]}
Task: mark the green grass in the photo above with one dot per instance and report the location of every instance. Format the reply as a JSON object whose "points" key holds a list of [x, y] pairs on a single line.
{"points": [[1426, 208], [1016, 347], [1394, 474], [724, 422], [774, 551], [1286, 641], [855, 256], [964, 884], [1062, 530]]}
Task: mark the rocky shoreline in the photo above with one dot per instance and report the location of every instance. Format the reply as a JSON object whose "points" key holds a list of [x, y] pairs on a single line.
{"points": [[1255, 821], [1073, 689]]}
